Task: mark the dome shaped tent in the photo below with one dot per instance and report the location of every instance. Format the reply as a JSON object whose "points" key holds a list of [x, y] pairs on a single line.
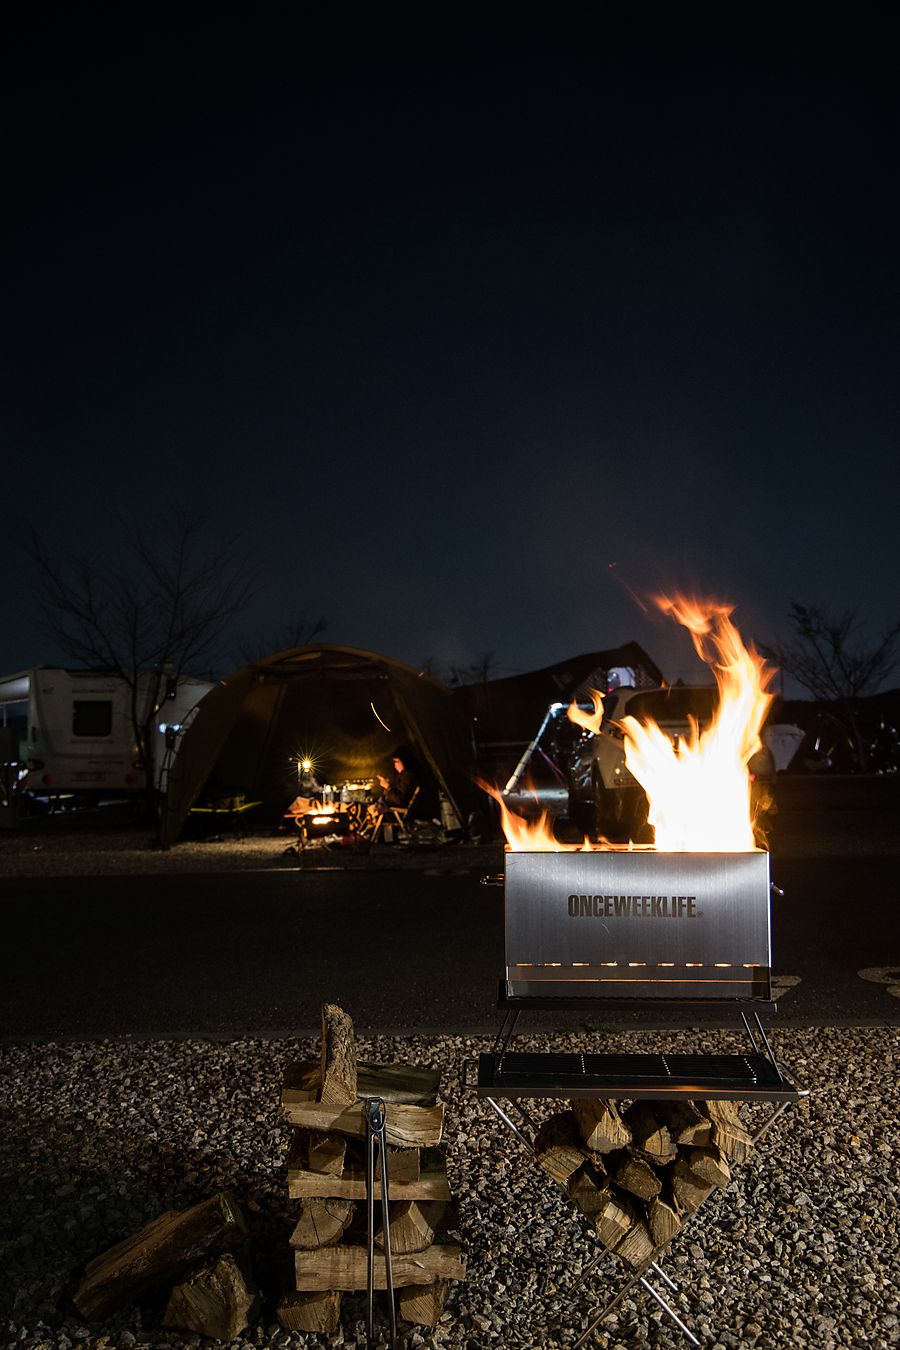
{"points": [[345, 709]]}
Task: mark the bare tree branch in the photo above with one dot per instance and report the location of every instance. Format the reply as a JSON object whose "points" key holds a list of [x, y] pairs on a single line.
{"points": [[154, 606]]}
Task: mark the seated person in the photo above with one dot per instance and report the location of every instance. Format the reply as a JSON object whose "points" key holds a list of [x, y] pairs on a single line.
{"points": [[397, 788]]}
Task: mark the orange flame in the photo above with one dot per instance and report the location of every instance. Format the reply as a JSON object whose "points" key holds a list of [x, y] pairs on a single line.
{"points": [[700, 793], [589, 721], [529, 836]]}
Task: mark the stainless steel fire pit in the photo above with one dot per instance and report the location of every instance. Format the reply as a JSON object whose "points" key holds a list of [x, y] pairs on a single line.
{"points": [[647, 930], [641, 925]]}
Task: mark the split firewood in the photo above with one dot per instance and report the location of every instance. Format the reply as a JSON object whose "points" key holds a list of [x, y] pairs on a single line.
{"points": [[403, 1084], [322, 1222], [636, 1247], [326, 1152], [633, 1174], [403, 1164], [617, 1214], [600, 1124], [345, 1267], [302, 1081], [405, 1126], [318, 1311], [709, 1164], [685, 1123], [423, 1303], [558, 1146], [162, 1250], [688, 1190], [413, 1224], [217, 1299], [587, 1189], [338, 1058], [431, 1184], [649, 1136], [663, 1220], [727, 1130]]}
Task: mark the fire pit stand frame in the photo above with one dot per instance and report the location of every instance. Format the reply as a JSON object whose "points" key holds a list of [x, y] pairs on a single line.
{"points": [[755, 1077]]}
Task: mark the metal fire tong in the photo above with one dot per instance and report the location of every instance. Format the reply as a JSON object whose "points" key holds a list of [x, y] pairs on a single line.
{"points": [[375, 1132]]}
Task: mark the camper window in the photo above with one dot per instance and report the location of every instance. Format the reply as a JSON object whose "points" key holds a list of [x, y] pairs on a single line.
{"points": [[91, 719]]}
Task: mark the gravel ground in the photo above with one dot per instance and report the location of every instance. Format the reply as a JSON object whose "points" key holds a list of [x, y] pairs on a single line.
{"points": [[801, 1248]]}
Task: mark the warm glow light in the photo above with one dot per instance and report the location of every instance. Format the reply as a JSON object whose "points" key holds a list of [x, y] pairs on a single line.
{"points": [[590, 721], [306, 764], [700, 792], [698, 786]]}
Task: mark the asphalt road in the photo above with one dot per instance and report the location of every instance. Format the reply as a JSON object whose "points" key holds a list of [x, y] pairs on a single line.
{"points": [[257, 953]]}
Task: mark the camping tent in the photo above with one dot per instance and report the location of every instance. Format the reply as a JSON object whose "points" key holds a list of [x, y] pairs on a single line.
{"points": [[344, 709]]}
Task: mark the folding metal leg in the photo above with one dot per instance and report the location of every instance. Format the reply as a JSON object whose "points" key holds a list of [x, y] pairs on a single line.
{"points": [[504, 1035], [375, 1133]]}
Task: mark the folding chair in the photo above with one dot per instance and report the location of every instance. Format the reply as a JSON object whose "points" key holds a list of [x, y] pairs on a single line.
{"points": [[393, 815]]}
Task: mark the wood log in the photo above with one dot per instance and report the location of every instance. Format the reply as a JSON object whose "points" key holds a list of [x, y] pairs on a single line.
{"points": [[602, 1128], [616, 1216], [685, 1123], [423, 1303], [662, 1220], [402, 1084], [405, 1126], [403, 1164], [633, 1173], [636, 1248], [318, 1311], [344, 1267], [649, 1136], [162, 1250], [709, 1164], [432, 1183], [413, 1224], [587, 1189], [322, 1222], [727, 1131], [558, 1146], [338, 1058], [216, 1299], [688, 1190], [325, 1152]]}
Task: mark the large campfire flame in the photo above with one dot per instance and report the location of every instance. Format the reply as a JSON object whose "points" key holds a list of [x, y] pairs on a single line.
{"points": [[699, 790]]}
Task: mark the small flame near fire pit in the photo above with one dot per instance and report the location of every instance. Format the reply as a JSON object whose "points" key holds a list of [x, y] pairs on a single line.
{"points": [[699, 789]]}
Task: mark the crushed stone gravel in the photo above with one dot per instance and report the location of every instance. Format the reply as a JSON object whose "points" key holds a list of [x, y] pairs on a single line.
{"points": [[800, 1249]]}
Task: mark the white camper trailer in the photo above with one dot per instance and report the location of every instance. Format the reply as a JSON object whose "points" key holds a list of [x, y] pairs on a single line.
{"points": [[75, 730]]}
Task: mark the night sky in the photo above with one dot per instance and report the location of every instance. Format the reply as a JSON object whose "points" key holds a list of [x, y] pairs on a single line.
{"points": [[447, 309]]}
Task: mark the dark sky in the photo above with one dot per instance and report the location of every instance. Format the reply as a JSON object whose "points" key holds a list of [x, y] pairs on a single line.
{"points": [[447, 309]]}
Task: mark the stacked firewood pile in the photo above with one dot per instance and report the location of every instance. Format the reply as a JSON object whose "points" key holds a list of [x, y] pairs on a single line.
{"points": [[325, 1103], [638, 1174]]}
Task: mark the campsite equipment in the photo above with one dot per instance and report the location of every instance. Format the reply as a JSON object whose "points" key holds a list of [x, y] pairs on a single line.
{"points": [[375, 1135], [342, 709]]}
